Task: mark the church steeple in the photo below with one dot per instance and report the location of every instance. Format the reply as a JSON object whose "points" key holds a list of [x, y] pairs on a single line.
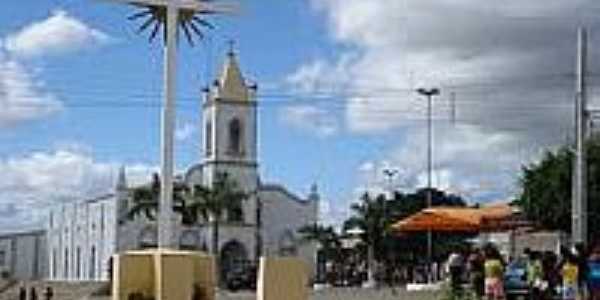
{"points": [[231, 83], [122, 179]]}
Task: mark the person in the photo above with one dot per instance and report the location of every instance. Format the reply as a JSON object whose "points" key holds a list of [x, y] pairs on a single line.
{"points": [[593, 276], [570, 276], [494, 274], [49, 293], [476, 272], [32, 294], [581, 255], [22, 292], [455, 266], [534, 274]]}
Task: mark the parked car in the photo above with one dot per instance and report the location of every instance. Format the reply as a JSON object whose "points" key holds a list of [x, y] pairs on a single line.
{"points": [[242, 277], [515, 280]]}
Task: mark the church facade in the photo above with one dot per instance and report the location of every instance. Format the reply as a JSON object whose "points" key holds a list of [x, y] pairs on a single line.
{"points": [[82, 236]]}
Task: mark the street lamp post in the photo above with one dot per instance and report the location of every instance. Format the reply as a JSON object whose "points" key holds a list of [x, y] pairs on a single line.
{"points": [[389, 173], [429, 93]]}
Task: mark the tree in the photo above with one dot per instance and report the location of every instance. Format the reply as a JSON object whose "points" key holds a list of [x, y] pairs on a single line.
{"points": [[146, 201], [330, 242], [546, 189], [374, 216], [191, 203], [212, 203], [326, 236]]}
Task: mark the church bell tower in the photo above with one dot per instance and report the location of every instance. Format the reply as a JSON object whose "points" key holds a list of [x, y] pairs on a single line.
{"points": [[230, 128]]}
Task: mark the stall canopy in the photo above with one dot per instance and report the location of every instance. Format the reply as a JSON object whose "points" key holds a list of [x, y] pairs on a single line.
{"points": [[445, 219]]}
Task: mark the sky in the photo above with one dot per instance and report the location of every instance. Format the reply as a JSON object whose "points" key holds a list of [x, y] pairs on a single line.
{"points": [[80, 92]]}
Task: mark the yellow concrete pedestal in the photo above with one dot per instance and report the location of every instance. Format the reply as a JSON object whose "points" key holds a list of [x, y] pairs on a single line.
{"points": [[164, 275], [282, 278]]}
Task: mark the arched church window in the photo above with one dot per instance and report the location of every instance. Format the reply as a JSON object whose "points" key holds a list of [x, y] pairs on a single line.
{"points": [[148, 238], [92, 270], [287, 244], [78, 267], [235, 136], [66, 271], [208, 143], [189, 240], [54, 266], [235, 212]]}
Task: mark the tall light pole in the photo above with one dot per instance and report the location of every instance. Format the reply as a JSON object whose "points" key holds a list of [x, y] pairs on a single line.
{"points": [[389, 173], [579, 201], [429, 93], [177, 13]]}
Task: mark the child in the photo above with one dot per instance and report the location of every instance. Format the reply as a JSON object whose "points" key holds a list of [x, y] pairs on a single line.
{"points": [[494, 272], [570, 275]]}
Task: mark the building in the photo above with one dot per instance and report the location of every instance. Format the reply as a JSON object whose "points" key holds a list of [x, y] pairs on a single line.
{"points": [[82, 236], [23, 255]]}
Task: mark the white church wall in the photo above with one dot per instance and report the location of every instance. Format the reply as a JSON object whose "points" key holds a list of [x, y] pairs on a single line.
{"points": [[283, 215], [81, 239], [21, 254]]}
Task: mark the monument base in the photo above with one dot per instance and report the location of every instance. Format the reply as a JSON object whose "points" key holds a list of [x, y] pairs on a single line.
{"points": [[283, 278], [163, 274]]}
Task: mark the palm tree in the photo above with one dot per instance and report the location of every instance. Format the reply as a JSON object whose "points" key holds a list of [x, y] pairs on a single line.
{"points": [[146, 201], [224, 197], [326, 236], [369, 217]]}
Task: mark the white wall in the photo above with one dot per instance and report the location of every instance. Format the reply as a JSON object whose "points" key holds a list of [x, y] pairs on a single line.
{"points": [[24, 254], [84, 225], [281, 213]]}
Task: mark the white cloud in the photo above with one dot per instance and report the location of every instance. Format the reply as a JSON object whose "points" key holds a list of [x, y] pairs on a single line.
{"points": [[509, 64], [59, 33], [476, 164], [310, 118], [37, 181], [185, 131], [22, 95]]}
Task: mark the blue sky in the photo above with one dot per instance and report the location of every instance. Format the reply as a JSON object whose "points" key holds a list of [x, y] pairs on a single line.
{"points": [[336, 91]]}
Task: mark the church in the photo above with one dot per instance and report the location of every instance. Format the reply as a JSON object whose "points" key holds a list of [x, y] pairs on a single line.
{"points": [[82, 235]]}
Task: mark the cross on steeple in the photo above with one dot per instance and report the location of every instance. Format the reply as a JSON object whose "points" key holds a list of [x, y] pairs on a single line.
{"points": [[231, 44]]}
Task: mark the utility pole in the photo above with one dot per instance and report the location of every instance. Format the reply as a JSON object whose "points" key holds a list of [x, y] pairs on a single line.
{"points": [[429, 93], [453, 108], [389, 174], [579, 193]]}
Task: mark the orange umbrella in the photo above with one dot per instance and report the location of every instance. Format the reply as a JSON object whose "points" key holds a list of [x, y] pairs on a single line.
{"points": [[440, 219]]}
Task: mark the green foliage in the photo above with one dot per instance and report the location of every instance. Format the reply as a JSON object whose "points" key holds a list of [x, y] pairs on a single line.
{"points": [[189, 203], [546, 189], [146, 201], [375, 215], [326, 236]]}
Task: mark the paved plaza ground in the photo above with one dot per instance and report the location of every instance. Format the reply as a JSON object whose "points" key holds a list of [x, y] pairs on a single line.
{"points": [[338, 294], [350, 294], [80, 291]]}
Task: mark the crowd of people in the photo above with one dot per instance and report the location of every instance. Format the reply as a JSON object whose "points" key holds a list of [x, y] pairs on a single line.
{"points": [[571, 274], [48, 294]]}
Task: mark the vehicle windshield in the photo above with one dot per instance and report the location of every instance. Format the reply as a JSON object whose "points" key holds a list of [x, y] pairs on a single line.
{"points": [[516, 269]]}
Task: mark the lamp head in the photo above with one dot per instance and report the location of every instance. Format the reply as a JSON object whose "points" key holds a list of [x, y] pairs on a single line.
{"points": [[428, 92]]}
